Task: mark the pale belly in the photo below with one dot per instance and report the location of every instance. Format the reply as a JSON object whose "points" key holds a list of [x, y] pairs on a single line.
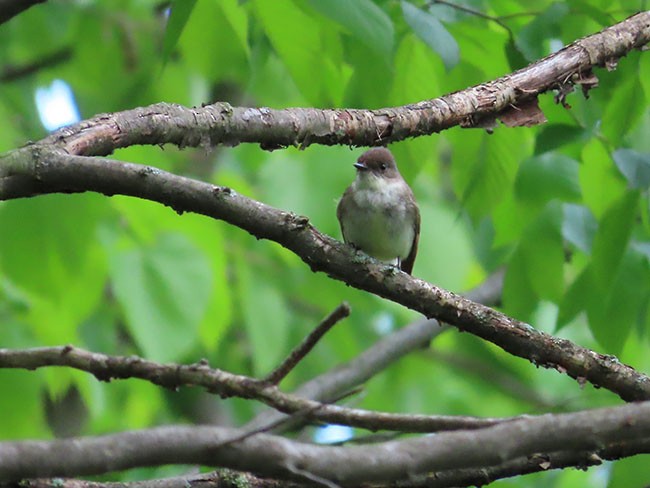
{"points": [[385, 232]]}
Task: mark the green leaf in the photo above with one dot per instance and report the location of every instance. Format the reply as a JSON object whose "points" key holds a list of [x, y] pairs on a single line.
{"points": [[553, 136], [164, 289], [299, 47], [519, 299], [238, 20], [48, 251], [600, 181], [222, 24], [451, 264], [579, 226], [362, 19], [410, 86], [599, 15], [484, 167], [413, 85], [510, 217], [644, 67], [547, 177], [576, 298], [265, 317], [625, 107], [147, 220], [613, 316], [532, 40], [542, 254], [627, 472], [612, 237], [432, 32], [516, 58], [180, 11], [635, 166], [21, 419], [363, 89]]}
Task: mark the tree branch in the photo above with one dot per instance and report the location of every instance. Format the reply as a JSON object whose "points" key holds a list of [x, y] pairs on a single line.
{"points": [[225, 478], [10, 8], [512, 98], [34, 171], [10, 72], [302, 349], [528, 464], [383, 463], [173, 376]]}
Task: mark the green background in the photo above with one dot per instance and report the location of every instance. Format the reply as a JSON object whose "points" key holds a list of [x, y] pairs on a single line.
{"points": [[563, 206]]}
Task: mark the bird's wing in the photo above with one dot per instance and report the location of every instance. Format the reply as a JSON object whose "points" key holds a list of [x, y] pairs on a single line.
{"points": [[340, 211], [407, 264]]}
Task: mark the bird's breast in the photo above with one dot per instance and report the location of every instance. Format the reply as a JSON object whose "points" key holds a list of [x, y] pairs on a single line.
{"points": [[379, 222]]}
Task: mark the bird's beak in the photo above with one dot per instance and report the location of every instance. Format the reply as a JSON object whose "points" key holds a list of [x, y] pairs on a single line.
{"points": [[360, 166]]}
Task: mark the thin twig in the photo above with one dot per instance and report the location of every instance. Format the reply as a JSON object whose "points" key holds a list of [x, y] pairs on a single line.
{"points": [[476, 13], [319, 480], [16, 72], [281, 421], [329, 386], [302, 349]]}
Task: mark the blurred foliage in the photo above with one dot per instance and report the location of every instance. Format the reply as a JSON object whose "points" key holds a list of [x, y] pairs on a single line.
{"points": [[564, 207]]}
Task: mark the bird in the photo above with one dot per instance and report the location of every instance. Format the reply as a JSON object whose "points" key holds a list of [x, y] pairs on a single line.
{"points": [[378, 213]]}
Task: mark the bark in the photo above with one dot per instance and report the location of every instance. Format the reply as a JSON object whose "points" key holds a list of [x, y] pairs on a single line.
{"points": [[511, 98], [592, 431], [55, 172]]}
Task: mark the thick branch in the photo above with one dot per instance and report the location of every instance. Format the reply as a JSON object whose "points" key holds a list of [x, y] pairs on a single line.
{"points": [[479, 106], [37, 172], [279, 457], [224, 478], [528, 464]]}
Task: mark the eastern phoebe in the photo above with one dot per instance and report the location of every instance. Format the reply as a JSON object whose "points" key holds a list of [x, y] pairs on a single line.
{"points": [[378, 212]]}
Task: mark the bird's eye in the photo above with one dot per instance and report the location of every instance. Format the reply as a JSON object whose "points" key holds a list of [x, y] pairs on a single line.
{"points": [[383, 166]]}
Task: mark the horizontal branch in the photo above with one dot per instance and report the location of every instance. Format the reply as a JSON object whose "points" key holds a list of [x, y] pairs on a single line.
{"points": [[279, 457], [512, 98], [39, 172], [173, 376], [527, 464], [226, 478]]}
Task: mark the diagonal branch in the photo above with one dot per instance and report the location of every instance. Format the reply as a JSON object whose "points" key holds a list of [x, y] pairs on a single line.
{"points": [[49, 172], [11, 8], [302, 349], [510, 98], [11, 72], [590, 430]]}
